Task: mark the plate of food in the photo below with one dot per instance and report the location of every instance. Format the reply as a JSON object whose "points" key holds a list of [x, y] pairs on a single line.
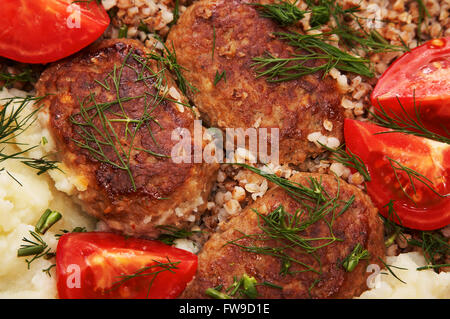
{"points": [[225, 149]]}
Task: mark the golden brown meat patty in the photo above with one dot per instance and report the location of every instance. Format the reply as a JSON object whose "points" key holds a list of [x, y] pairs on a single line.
{"points": [[242, 245], [218, 36], [112, 110]]}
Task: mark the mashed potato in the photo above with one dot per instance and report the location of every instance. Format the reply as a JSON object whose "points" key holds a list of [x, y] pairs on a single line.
{"points": [[20, 208], [418, 284]]}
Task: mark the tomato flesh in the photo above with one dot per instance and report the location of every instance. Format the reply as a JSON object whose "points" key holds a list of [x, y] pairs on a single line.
{"points": [[420, 79], [111, 266], [417, 206], [42, 31]]}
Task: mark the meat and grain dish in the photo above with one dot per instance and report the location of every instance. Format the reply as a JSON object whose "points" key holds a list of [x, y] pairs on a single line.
{"points": [[238, 33], [129, 176], [316, 222], [220, 261]]}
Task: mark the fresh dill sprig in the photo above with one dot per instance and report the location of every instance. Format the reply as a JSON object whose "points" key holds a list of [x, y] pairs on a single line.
{"points": [[423, 15], [47, 270], [77, 229], [173, 233], [219, 76], [349, 159], [284, 12], [412, 175], [389, 268], [285, 228], [313, 48], [42, 165], [24, 76], [35, 247], [13, 122], [149, 271], [97, 124], [405, 122], [392, 224], [169, 60], [176, 12], [434, 246]]}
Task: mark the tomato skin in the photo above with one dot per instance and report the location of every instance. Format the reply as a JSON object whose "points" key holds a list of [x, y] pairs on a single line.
{"points": [[100, 259], [431, 159], [42, 31], [419, 79]]}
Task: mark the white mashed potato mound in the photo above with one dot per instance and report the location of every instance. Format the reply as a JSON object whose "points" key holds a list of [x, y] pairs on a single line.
{"points": [[424, 284], [21, 207]]}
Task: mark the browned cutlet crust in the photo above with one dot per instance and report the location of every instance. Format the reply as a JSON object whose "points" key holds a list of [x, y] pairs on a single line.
{"points": [[298, 107], [219, 263], [160, 184]]}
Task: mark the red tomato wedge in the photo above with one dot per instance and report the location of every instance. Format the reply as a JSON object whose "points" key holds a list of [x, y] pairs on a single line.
{"points": [[41, 31], [420, 79], [111, 266], [386, 155]]}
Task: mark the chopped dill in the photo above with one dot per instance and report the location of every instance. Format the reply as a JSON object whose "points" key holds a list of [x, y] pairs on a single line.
{"points": [[317, 47], [47, 220], [313, 48], [412, 175], [97, 124], [392, 224], [173, 233], [245, 287], [168, 58], [219, 76], [405, 122], [434, 246], [9, 78], [285, 228], [35, 247], [389, 268], [123, 31], [284, 12], [423, 15], [349, 159], [149, 271], [77, 229], [13, 122]]}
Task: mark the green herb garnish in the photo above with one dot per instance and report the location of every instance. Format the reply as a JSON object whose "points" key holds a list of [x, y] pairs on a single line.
{"points": [[123, 31], [47, 220], [243, 287], [354, 258], [405, 122], [173, 233], [434, 246], [284, 12], [13, 122], [349, 159], [219, 76], [313, 48], [149, 271]]}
